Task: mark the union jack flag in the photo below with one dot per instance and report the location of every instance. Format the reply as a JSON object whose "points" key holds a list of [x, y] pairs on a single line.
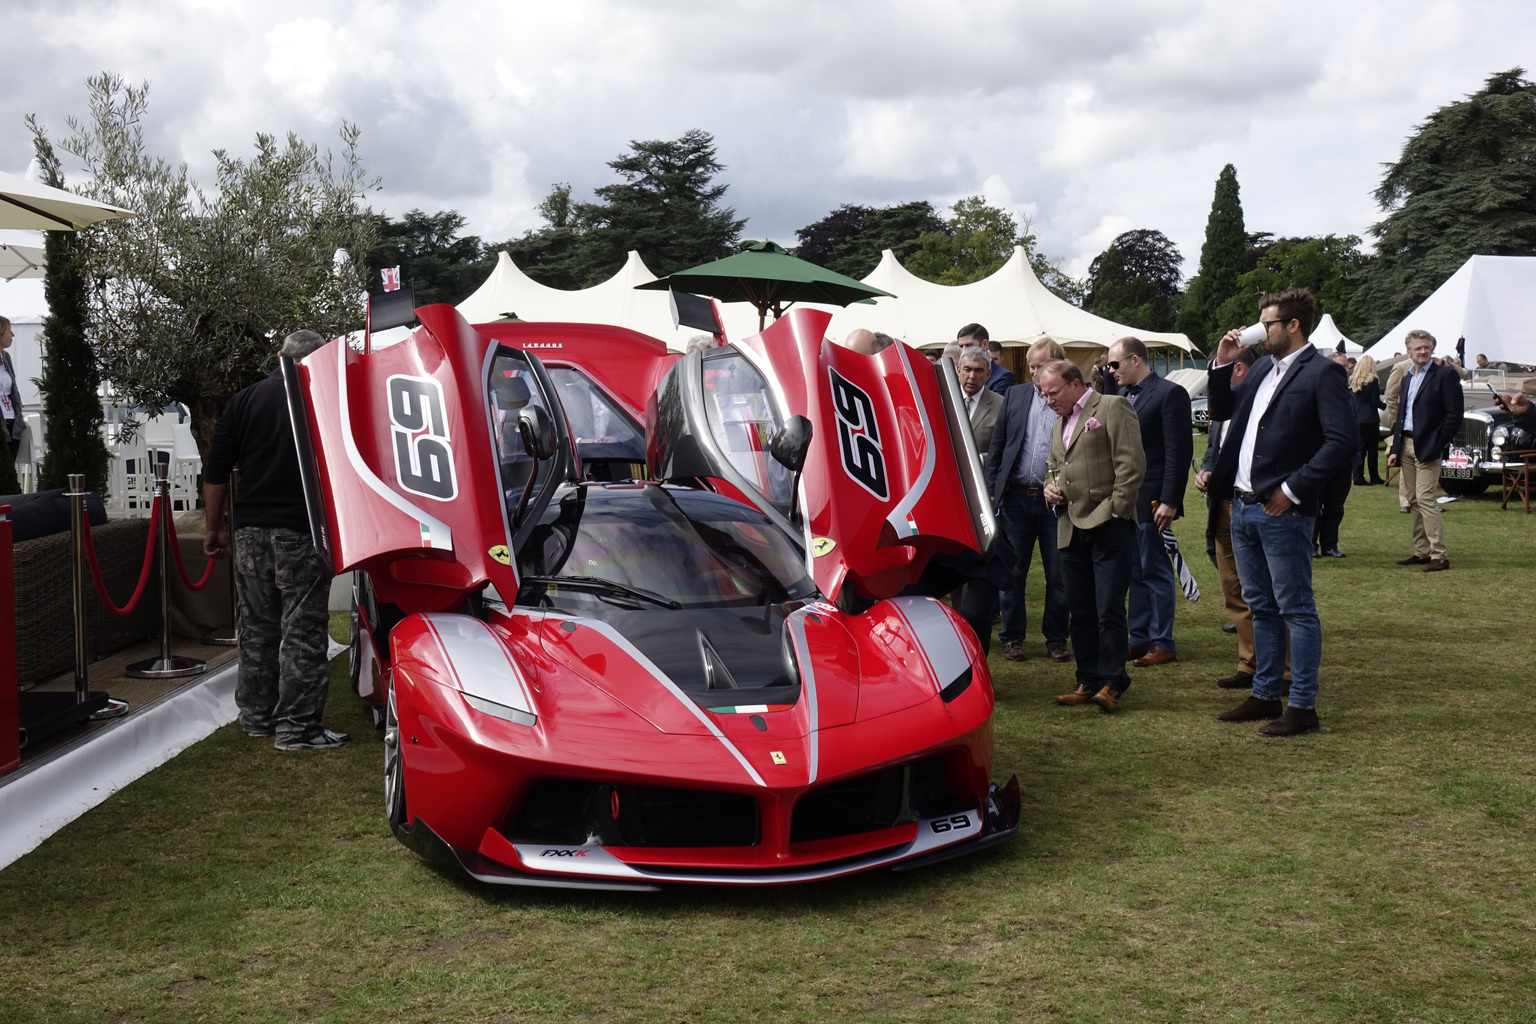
{"points": [[391, 277]]}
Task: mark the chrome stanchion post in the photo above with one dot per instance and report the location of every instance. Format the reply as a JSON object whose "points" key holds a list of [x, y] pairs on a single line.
{"points": [[231, 637], [168, 665], [77, 582]]}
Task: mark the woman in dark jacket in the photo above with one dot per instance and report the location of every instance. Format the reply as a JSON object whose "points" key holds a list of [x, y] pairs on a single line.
{"points": [[1367, 391]]}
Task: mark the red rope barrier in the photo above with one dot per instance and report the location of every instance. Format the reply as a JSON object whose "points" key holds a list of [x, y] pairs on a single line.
{"points": [[96, 578], [181, 568]]}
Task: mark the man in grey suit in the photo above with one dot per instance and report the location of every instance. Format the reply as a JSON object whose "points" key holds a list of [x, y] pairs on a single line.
{"points": [[981, 403]]}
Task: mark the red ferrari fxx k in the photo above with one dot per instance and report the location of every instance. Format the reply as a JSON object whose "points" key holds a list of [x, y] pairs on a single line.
{"points": [[631, 619]]}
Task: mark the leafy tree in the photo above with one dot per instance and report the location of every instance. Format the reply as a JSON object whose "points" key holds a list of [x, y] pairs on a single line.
{"points": [[1222, 259], [437, 262], [850, 239], [667, 207], [1136, 281], [1331, 266], [1465, 185], [190, 300], [70, 381], [979, 240]]}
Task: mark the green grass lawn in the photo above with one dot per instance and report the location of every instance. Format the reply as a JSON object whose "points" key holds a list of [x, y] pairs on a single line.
{"points": [[1169, 868]]}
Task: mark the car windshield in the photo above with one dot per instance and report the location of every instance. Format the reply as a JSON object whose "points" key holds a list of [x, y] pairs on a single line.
{"points": [[664, 544], [512, 387]]}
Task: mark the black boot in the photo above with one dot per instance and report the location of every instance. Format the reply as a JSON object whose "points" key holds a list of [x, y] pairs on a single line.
{"points": [[1254, 709], [1294, 722]]}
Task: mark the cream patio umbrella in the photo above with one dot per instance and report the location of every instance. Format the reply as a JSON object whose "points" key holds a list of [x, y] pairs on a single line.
{"points": [[28, 206]]}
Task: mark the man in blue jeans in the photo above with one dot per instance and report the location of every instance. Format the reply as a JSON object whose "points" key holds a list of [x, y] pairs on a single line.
{"points": [[1015, 472], [1292, 427], [1167, 439]]}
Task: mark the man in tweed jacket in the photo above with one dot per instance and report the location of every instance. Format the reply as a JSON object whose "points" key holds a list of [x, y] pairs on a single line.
{"points": [[1097, 468]]}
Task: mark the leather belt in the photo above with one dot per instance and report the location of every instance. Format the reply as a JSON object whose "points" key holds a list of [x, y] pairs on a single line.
{"points": [[1248, 497], [1029, 490]]}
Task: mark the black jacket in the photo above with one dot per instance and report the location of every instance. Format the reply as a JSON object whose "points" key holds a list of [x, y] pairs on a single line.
{"points": [[1307, 434], [1367, 402], [1008, 436], [1167, 436], [256, 435], [1437, 410]]}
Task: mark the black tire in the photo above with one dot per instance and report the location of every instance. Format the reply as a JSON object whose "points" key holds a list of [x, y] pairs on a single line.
{"points": [[394, 770], [1464, 488]]}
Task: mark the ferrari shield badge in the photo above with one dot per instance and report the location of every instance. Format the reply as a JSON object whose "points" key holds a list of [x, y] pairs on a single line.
{"points": [[778, 757], [499, 553], [822, 545]]}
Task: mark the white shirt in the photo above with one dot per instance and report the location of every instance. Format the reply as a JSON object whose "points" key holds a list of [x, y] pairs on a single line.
{"points": [[1261, 400]]}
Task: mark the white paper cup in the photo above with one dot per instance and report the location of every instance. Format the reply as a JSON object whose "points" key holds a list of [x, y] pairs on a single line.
{"points": [[1252, 335]]}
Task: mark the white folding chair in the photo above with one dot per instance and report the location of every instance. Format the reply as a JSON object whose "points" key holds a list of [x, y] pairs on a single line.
{"points": [[186, 464]]}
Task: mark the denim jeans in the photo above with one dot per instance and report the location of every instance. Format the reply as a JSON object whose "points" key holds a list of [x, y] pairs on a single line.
{"points": [[1025, 521], [1274, 559], [1153, 591]]}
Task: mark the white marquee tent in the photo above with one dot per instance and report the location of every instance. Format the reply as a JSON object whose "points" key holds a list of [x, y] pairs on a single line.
{"points": [[1326, 337], [1490, 301], [1012, 303]]}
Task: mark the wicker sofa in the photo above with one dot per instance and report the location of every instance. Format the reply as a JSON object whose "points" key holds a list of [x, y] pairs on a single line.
{"points": [[44, 613]]}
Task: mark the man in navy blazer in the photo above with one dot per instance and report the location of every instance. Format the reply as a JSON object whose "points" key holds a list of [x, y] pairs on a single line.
{"points": [[1428, 416], [1015, 471], [1000, 378], [1167, 437], [1291, 427]]}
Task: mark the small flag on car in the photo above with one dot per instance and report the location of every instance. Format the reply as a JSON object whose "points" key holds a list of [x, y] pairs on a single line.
{"points": [[391, 277]]}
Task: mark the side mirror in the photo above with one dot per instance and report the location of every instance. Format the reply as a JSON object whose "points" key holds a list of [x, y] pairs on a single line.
{"points": [[790, 443], [537, 431]]}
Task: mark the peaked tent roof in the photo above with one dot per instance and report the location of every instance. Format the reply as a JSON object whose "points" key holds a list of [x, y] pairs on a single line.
{"points": [[1326, 337], [1490, 301], [1012, 303]]}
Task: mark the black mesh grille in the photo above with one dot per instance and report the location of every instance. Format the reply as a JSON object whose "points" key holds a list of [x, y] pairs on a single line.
{"points": [[868, 803], [570, 812]]}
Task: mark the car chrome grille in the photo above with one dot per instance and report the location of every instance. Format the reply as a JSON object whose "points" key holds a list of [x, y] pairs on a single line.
{"points": [[1473, 433], [878, 800]]}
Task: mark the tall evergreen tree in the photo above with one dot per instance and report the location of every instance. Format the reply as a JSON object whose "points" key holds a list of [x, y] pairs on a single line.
{"points": [[70, 382], [1465, 185], [1136, 281], [1222, 259], [850, 239]]}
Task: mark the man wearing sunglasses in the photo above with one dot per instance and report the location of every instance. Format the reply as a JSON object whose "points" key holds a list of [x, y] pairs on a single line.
{"points": [[1167, 438], [1292, 427]]}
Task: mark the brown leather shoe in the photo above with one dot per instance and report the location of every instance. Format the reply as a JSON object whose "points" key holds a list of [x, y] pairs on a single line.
{"points": [[1013, 650], [1057, 651], [1236, 681], [1254, 709], [1294, 722], [1107, 699], [1438, 565], [1156, 656], [1082, 695], [1414, 560], [1133, 651]]}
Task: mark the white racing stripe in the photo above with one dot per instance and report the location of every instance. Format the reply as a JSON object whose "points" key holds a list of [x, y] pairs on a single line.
{"points": [[936, 637], [481, 665]]}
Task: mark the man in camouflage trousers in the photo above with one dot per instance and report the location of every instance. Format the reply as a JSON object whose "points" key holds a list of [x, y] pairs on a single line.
{"points": [[283, 586]]}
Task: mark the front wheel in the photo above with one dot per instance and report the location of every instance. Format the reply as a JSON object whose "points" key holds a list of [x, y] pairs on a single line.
{"points": [[394, 769]]}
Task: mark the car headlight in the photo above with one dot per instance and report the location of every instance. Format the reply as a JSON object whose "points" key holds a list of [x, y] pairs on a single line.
{"points": [[1500, 436], [495, 710]]}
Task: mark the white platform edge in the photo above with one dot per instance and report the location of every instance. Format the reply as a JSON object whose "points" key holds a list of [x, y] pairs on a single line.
{"points": [[43, 800]]}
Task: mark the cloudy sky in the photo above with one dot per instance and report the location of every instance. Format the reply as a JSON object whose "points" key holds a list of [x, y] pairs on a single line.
{"points": [[1089, 118]]}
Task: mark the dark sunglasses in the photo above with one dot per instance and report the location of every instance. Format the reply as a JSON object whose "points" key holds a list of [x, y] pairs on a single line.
{"points": [[1112, 366]]}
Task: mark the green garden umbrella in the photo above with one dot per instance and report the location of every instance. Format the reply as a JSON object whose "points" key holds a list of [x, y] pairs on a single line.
{"points": [[763, 274]]}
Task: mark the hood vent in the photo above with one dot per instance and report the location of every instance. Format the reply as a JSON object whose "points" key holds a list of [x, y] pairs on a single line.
{"points": [[716, 675]]}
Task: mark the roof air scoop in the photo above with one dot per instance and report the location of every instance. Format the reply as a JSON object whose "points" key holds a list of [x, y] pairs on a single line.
{"points": [[716, 675]]}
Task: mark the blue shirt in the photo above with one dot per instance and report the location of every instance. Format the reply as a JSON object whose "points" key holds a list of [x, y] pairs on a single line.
{"points": [[1037, 443], [1415, 378]]}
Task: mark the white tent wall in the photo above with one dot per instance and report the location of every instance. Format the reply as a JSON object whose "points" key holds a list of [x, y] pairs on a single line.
{"points": [[1012, 303], [1490, 301], [1326, 337]]}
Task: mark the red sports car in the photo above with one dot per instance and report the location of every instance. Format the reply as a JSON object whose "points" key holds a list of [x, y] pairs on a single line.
{"points": [[630, 618]]}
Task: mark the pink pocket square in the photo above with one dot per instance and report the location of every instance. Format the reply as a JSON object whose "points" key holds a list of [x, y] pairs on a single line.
{"points": [[1093, 423]]}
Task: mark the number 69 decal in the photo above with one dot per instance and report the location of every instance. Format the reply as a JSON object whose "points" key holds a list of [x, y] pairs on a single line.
{"points": [[954, 822], [419, 429], [858, 436]]}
